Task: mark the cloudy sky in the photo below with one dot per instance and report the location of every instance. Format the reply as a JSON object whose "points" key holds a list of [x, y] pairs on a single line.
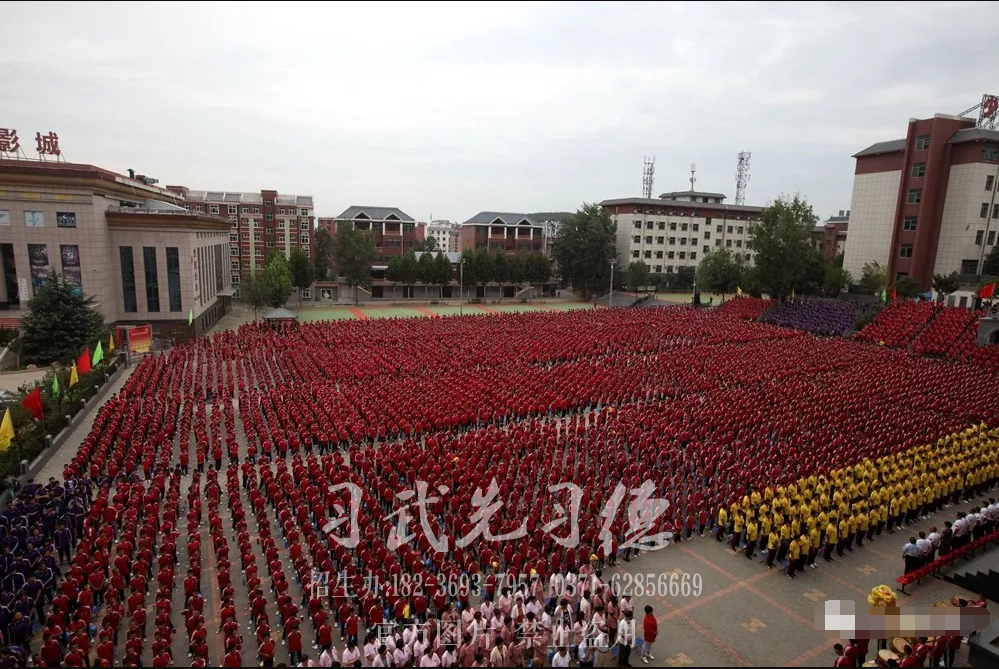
{"points": [[449, 109]]}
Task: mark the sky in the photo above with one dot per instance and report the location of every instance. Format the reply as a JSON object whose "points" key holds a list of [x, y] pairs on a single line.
{"points": [[449, 109]]}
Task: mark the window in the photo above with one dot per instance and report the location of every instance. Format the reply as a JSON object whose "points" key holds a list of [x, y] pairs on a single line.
{"points": [[739, 230], [659, 269], [669, 269], [638, 225], [234, 265], [244, 210], [922, 142], [995, 211], [990, 154], [200, 208], [306, 293], [918, 171], [303, 212], [969, 267], [269, 203], [717, 242], [660, 240], [683, 255], [305, 226], [256, 236], [638, 239], [173, 277], [235, 278], [65, 219], [233, 251], [728, 242], [648, 240], [268, 217], [985, 210], [634, 254], [909, 223], [915, 196], [992, 237], [696, 227], [672, 240], [671, 255], [738, 243], [693, 255], [648, 254], [213, 209], [639, 210], [269, 231], [730, 229], [233, 237], [905, 251], [662, 225], [258, 253], [707, 234], [270, 245], [305, 237], [989, 182], [683, 227], [683, 241], [128, 279], [152, 279], [648, 225], [233, 209], [705, 249], [659, 254], [718, 229], [281, 211], [979, 236]]}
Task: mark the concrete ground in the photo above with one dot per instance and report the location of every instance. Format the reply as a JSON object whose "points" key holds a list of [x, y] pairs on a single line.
{"points": [[12, 381]]}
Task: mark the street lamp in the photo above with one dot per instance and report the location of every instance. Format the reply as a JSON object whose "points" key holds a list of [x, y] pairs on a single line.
{"points": [[610, 300]]}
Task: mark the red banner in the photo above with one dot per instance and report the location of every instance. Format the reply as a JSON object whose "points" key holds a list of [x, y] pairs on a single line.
{"points": [[140, 339]]}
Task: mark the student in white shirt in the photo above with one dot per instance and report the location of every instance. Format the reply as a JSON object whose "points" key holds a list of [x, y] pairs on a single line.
{"points": [[561, 658], [351, 654], [381, 658], [430, 659], [448, 657], [400, 656], [328, 657], [370, 650], [625, 638]]}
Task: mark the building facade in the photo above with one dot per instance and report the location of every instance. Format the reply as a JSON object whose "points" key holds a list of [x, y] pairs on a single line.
{"points": [[678, 229], [447, 234], [498, 231], [130, 244], [395, 231], [260, 222], [830, 236], [926, 204]]}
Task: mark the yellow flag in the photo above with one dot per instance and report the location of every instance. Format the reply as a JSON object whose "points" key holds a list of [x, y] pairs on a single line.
{"points": [[111, 342], [6, 431], [738, 291], [74, 377]]}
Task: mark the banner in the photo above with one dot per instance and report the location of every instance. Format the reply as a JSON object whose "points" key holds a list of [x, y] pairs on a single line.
{"points": [[38, 260], [71, 272], [140, 339]]}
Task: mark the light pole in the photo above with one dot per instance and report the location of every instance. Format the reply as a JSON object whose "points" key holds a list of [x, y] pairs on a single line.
{"points": [[461, 287], [610, 300]]}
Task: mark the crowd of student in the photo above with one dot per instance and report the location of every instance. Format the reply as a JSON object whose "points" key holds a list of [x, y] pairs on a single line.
{"points": [[243, 435]]}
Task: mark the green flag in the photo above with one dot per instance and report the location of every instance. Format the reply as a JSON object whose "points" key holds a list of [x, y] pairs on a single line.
{"points": [[55, 385], [98, 353], [190, 317], [884, 295]]}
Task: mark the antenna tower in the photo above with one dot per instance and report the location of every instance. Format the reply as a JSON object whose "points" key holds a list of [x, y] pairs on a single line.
{"points": [[693, 179], [988, 112], [648, 177], [742, 177]]}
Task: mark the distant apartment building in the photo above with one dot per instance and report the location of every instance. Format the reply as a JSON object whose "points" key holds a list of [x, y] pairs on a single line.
{"points": [[830, 236], [498, 231], [926, 204], [259, 222], [395, 231], [679, 228], [447, 234]]}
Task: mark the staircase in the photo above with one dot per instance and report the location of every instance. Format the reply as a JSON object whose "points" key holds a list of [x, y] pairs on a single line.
{"points": [[979, 575]]}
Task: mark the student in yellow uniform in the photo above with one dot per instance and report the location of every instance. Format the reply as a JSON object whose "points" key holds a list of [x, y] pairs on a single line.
{"points": [[752, 536], [722, 523], [832, 536], [793, 554], [738, 525], [785, 541], [773, 541], [814, 542], [863, 527], [843, 531]]}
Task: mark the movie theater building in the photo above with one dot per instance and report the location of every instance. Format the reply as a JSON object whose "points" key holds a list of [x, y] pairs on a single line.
{"points": [[123, 240]]}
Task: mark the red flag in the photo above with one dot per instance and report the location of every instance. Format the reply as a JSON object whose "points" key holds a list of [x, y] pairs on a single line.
{"points": [[894, 295], [117, 335], [988, 292], [33, 403], [83, 362]]}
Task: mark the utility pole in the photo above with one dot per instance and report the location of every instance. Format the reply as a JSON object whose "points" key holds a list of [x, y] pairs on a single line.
{"points": [[610, 300]]}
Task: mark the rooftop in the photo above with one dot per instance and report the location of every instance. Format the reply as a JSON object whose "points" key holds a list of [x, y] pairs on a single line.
{"points": [[698, 205], [244, 198], [75, 172], [501, 218], [355, 212], [672, 195]]}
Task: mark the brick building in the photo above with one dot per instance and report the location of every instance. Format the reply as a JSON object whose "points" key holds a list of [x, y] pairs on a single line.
{"points": [[259, 222], [395, 231], [830, 236], [926, 204], [497, 231]]}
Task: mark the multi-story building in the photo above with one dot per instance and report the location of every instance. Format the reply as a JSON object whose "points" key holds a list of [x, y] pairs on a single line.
{"points": [[127, 242], [447, 234], [830, 236], [395, 231], [678, 229], [497, 231], [260, 222], [926, 204]]}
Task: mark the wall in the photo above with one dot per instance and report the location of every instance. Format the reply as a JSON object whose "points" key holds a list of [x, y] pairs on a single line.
{"points": [[872, 215], [962, 219]]}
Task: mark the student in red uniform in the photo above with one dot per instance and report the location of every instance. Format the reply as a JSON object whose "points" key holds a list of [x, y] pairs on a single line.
{"points": [[841, 659], [266, 652]]}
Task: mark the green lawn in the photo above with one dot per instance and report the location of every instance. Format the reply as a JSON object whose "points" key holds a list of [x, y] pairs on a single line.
{"points": [[308, 315]]}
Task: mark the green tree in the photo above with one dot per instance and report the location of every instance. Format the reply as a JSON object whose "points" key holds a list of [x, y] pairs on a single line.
{"points": [[945, 284], [583, 249], [720, 271], [991, 264], [277, 278], [353, 253], [836, 279], [516, 269], [500, 267], [537, 268], [426, 269], [685, 278], [394, 272], [906, 286], [874, 278], [409, 271], [782, 240], [322, 257], [430, 245], [638, 275], [303, 274], [59, 323], [253, 292], [443, 272]]}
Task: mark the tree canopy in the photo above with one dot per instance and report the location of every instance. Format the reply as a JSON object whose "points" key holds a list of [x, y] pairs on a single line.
{"points": [[583, 248], [322, 256], [946, 283], [786, 259], [537, 269], [443, 271], [429, 245], [277, 279], [906, 286], [721, 271], [353, 252], [991, 264], [837, 279], [59, 323], [303, 274], [874, 278], [253, 292], [638, 275]]}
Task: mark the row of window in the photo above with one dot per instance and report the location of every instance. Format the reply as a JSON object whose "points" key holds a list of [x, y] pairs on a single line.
{"points": [[151, 272], [652, 211], [36, 219], [234, 209], [984, 213], [695, 227], [658, 269], [980, 235]]}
